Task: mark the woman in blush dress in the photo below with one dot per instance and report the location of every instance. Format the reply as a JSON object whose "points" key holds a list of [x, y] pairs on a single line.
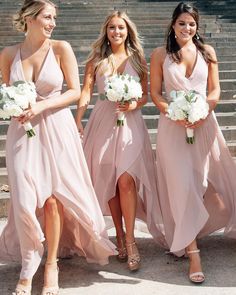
{"points": [[196, 182], [52, 196], [120, 158]]}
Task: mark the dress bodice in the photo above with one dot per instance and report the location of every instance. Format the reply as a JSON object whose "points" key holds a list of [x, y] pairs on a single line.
{"points": [[50, 79], [175, 79], [101, 77]]}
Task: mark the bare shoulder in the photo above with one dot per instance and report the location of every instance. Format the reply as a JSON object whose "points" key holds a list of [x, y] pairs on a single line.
{"points": [[8, 53], [159, 54], [61, 47], [210, 50]]}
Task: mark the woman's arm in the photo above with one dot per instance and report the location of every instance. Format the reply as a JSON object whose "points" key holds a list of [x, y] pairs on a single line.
{"points": [[156, 79], [6, 59], [86, 94], [213, 81]]}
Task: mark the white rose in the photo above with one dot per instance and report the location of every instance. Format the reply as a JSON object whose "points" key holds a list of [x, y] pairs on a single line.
{"points": [[135, 89], [111, 95], [12, 109]]}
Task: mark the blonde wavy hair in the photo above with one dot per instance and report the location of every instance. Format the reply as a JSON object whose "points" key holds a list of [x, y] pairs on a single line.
{"points": [[101, 53], [30, 8]]}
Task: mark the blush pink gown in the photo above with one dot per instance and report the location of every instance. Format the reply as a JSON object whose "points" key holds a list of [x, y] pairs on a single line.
{"points": [[110, 151], [50, 163], [196, 182]]}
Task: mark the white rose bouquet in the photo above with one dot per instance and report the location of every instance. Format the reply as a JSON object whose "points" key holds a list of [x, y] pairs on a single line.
{"points": [[15, 99], [190, 106], [122, 88]]}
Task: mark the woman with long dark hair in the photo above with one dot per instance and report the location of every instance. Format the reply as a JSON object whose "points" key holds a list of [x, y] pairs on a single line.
{"points": [[196, 181]]}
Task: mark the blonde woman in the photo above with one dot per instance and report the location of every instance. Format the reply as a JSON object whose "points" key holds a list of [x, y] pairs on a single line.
{"points": [[120, 158], [48, 175]]}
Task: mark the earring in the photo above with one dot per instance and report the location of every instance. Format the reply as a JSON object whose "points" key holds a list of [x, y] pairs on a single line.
{"points": [[108, 43], [175, 37], [197, 36]]}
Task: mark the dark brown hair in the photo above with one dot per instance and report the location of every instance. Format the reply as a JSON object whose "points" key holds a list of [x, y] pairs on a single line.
{"points": [[172, 47]]}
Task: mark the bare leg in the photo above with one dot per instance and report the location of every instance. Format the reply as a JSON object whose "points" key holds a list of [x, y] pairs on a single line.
{"points": [[53, 212], [194, 263], [116, 214], [128, 201]]}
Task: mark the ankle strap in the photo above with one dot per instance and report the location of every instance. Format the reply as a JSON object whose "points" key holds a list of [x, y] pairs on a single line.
{"points": [[52, 262], [193, 251], [130, 244]]}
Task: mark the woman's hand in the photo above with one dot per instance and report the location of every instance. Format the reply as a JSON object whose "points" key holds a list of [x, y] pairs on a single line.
{"points": [[187, 124], [80, 129], [195, 124], [31, 112], [127, 106]]}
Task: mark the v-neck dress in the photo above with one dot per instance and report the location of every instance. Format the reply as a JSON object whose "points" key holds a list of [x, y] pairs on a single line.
{"points": [[196, 182], [111, 151], [50, 163]]}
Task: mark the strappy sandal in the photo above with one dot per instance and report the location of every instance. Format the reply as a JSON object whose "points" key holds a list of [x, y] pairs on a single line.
{"points": [[133, 257], [51, 290], [121, 248], [196, 277], [22, 290]]}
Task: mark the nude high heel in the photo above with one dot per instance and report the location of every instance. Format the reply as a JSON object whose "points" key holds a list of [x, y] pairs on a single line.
{"points": [[196, 277], [22, 290], [133, 257], [121, 248], [51, 290]]}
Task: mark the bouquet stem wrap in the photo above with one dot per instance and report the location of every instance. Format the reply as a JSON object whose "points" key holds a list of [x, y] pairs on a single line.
{"points": [[120, 119], [190, 135], [29, 129]]}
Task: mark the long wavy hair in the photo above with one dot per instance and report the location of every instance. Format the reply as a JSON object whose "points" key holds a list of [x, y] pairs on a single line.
{"points": [[172, 47], [29, 8], [101, 53]]}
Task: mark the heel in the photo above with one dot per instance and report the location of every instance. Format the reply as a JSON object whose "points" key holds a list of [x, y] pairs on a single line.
{"points": [[121, 248], [133, 257], [22, 290], [49, 276], [196, 277]]}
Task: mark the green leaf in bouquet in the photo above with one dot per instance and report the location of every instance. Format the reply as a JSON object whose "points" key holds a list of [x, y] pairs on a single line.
{"points": [[2, 104], [126, 88], [16, 83], [102, 96], [136, 79]]}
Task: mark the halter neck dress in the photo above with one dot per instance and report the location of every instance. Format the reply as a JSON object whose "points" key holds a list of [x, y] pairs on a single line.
{"points": [[196, 183], [111, 151], [50, 163]]}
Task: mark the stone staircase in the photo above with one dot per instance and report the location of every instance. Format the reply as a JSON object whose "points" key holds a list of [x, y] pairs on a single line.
{"points": [[79, 23]]}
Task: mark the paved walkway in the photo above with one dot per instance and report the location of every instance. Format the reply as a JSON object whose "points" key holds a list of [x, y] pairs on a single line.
{"points": [[160, 274]]}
